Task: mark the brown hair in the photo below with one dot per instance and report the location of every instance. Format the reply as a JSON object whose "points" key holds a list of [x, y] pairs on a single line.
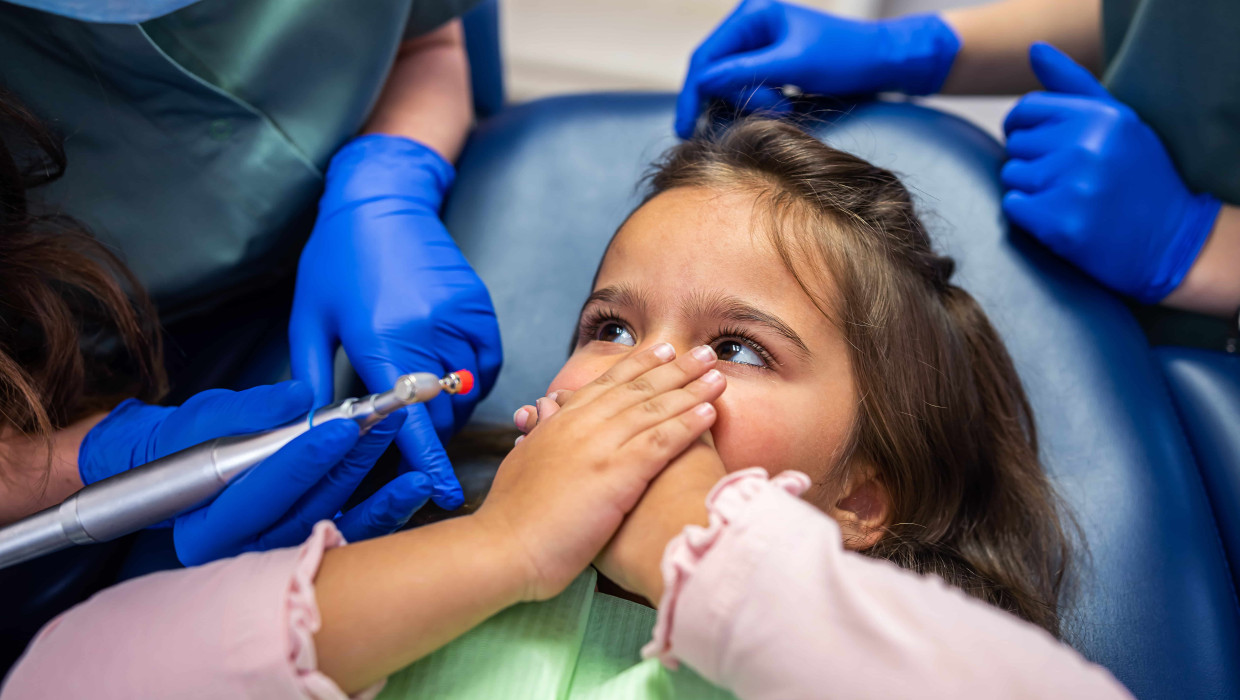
{"points": [[943, 420], [77, 332]]}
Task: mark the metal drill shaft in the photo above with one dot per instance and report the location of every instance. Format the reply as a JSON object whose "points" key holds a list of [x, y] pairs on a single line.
{"points": [[162, 489]]}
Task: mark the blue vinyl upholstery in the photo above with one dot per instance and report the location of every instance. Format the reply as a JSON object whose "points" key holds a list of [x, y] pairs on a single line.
{"points": [[542, 187], [1206, 389]]}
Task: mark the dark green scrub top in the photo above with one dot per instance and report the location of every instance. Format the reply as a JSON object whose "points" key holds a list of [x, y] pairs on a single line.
{"points": [[197, 141], [1177, 63]]}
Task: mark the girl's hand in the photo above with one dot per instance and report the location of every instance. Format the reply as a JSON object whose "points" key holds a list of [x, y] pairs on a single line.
{"points": [[563, 492], [675, 498]]}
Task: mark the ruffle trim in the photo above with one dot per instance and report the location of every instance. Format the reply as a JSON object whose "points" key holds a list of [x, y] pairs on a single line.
{"points": [[725, 503], [304, 619]]}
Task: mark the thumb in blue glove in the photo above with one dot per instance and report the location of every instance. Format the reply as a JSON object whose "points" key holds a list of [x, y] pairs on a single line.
{"points": [[278, 513], [1094, 183], [277, 503], [765, 44]]}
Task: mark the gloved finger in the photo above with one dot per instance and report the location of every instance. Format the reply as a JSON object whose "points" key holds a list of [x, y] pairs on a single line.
{"points": [[275, 484], [388, 509], [1032, 175], [489, 354], [459, 406], [742, 30], [746, 28], [1029, 144], [449, 412], [1041, 108], [1059, 73], [687, 108], [736, 74], [219, 412], [312, 352], [422, 451], [261, 496], [1035, 214], [762, 99], [326, 498]]}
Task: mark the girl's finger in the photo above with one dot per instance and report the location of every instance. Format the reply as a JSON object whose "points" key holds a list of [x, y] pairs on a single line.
{"points": [[661, 407], [525, 418], [546, 408], [656, 446], [625, 371], [657, 380]]}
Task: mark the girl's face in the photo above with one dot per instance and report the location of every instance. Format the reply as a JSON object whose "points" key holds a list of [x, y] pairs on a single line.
{"points": [[693, 267]]}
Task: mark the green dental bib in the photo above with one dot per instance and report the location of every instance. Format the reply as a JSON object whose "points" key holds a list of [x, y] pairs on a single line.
{"points": [[580, 645]]}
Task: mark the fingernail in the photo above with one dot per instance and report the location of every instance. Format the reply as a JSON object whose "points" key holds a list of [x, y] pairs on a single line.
{"points": [[704, 353], [664, 351], [712, 377], [518, 440], [704, 410], [519, 418], [554, 396]]}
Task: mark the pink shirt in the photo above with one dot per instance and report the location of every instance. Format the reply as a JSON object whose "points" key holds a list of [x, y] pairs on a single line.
{"points": [[764, 602]]}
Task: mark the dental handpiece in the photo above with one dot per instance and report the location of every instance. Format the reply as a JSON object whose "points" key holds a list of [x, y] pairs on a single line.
{"points": [[175, 484]]}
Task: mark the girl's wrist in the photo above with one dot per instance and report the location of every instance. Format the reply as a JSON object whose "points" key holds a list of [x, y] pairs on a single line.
{"points": [[689, 508], [497, 541]]}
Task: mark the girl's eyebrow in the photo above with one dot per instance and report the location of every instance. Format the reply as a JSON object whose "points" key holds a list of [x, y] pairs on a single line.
{"points": [[623, 295], [732, 309]]}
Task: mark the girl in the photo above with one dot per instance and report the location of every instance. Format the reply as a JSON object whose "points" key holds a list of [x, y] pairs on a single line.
{"points": [[774, 302]]}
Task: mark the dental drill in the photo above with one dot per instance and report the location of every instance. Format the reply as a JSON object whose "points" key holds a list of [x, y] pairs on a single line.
{"points": [[175, 484]]}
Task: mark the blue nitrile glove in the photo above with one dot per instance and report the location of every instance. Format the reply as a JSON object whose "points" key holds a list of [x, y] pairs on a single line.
{"points": [[1093, 182], [382, 276], [764, 45], [296, 488]]}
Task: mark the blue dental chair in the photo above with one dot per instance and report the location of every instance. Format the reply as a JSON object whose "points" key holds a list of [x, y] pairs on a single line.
{"points": [[1150, 474]]}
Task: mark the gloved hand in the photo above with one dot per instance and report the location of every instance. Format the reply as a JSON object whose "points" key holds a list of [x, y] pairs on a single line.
{"points": [[382, 276], [276, 503], [765, 44], [1094, 183]]}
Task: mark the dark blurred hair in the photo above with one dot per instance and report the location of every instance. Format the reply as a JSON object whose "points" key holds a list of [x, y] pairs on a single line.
{"points": [[77, 332], [944, 421]]}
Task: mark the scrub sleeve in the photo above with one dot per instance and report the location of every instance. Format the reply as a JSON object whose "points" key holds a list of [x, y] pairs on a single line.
{"points": [[1177, 65]]}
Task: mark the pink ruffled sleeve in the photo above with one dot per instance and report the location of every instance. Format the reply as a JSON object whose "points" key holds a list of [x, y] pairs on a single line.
{"points": [[236, 628], [766, 603]]}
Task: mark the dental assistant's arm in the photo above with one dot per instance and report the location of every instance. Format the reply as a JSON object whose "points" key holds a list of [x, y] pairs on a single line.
{"points": [[995, 40], [427, 96], [31, 481], [381, 276], [1212, 285], [765, 44]]}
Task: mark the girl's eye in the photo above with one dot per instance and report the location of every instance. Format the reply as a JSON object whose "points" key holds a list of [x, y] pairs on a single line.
{"points": [[615, 333], [738, 352]]}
